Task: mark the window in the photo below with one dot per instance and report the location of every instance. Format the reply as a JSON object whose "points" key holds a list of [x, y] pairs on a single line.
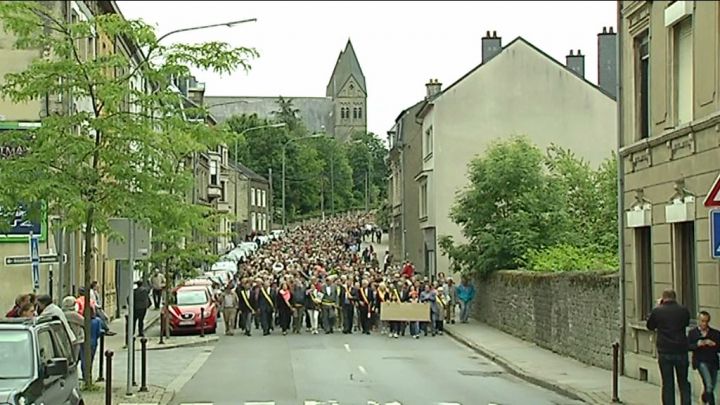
{"points": [[428, 142], [223, 190], [253, 220], [46, 349], [214, 178], [63, 342], [355, 112], [17, 358], [264, 222], [642, 49], [359, 112], [252, 197], [257, 196], [643, 260], [423, 200], [682, 70], [685, 265], [264, 199]]}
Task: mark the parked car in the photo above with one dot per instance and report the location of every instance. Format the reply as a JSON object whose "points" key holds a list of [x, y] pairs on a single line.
{"points": [[187, 302], [38, 364]]}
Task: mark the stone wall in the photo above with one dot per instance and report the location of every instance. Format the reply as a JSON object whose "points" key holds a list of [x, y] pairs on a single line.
{"points": [[573, 314]]}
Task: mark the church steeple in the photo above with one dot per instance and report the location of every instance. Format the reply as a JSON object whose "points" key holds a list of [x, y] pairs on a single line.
{"points": [[346, 66]]}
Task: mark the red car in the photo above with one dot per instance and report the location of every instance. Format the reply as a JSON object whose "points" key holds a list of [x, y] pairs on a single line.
{"points": [[187, 302]]}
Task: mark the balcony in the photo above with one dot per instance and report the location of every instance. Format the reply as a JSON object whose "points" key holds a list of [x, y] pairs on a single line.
{"points": [[214, 191], [223, 207]]}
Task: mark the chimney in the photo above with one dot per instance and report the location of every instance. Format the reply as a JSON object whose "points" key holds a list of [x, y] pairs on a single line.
{"points": [[576, 63], [607, 61], [433, 87], [491, 46]]}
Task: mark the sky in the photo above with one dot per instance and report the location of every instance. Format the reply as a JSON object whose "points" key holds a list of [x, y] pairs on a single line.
{"points": [[400, 45]]}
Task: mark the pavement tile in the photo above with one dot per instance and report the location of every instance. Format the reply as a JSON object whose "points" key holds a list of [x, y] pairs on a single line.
{"points": [[549, 370]]}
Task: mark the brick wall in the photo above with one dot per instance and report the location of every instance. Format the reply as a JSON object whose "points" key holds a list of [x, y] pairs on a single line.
{"points": [[573, 314]]}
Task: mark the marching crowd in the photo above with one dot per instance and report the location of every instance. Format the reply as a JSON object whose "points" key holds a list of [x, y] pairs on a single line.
{"points": [[322, 277]]}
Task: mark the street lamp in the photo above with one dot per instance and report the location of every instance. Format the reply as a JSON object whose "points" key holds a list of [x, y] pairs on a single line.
{"points": [[283, 169], [202, 27]]}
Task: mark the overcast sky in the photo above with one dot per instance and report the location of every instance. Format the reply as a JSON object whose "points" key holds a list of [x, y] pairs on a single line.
{"points": [[400, 45]]}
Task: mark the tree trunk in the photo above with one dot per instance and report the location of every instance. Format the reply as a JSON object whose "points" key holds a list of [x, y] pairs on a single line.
{"points": [[87, 311]]}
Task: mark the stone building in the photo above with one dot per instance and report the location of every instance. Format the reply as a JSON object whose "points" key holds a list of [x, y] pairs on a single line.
{"points": [[670, 155], [341, 112]]}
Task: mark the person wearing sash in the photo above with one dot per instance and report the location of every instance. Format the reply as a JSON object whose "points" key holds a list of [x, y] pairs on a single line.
{"points": [[365, 305], [443, 301], [298, 302], [348, 298], [313, 304], [247, 306], [394, 296], [380, 297], [329, 305], [284, 307], [266, 307], [230, 303], [429, 296]]}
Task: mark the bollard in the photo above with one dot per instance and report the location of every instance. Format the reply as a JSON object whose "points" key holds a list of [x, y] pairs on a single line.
{"points": [[615, 371], [162, 327], [134, 383], [143, 364], [108, 384], [126, 328], [202, 322], [100, 365]]}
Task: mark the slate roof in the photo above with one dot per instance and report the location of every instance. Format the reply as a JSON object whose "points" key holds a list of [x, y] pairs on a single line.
{"points": [[347, 65]]}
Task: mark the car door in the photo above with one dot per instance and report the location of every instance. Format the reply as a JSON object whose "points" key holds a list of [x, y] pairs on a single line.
{"points": [[62, 343], [52, 391]]}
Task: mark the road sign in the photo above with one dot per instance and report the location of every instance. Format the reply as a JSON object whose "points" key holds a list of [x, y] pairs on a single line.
{"points": [[24, 260], [715, 234], [713, 197], [35, 260]]}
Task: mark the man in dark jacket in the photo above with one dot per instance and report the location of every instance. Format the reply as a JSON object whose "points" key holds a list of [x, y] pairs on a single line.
{"points": [[141, 303], [704, 342], [670, 321]]}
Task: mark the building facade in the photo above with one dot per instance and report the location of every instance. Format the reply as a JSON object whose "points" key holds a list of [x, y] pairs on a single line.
{"points": [[340, 113], [670, 156], [517, 90], [404, 140], [58, 279]]}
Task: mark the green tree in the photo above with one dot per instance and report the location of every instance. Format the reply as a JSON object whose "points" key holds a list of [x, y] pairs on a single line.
{"points": [[367, 151], [108, 160], [508, 206]]}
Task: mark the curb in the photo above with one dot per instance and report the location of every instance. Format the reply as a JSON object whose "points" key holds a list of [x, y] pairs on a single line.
{"points": [[167, 397], [517, 371], [167, 346]]}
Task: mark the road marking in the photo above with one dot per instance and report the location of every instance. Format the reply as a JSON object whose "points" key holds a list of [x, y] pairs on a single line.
{"points": [[188, 373], [362, 369], [347, 347], [254, 403]]}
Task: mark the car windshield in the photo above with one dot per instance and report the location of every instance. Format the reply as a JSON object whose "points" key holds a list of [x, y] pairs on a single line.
{"points": [[16, 359], [191, 297]]}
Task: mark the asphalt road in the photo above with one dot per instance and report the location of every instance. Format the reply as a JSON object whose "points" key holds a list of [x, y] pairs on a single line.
{"points": [[353, 369]]}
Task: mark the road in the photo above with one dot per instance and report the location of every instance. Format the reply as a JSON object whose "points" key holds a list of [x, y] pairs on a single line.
{"points": [[353, 369]]}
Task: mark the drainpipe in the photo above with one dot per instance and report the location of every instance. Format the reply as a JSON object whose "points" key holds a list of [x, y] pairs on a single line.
{"points": [[621, 182], [402, 189]]}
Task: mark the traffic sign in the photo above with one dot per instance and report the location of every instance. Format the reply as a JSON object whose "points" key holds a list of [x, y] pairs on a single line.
{"points": [[713, 197], [24, 260], [715, 234], [35, 260]]}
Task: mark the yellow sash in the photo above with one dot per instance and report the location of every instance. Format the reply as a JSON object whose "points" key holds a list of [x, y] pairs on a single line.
{"points": [[441, 300], [397, 296], [267, 297], [364, 297], [247, 302], [314, 297]]}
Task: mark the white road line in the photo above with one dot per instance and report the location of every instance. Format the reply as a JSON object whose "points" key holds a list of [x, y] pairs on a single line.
{"points": [[362, 369], [347, 347], [138, 403], [255, 403]]}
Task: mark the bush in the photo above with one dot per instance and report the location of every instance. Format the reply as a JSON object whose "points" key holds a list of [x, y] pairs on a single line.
{"points": [[566, 257]]}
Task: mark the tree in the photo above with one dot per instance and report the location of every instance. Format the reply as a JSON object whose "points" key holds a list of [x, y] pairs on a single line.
{"points": [[120, 156], [508, 205], [367, 151]]}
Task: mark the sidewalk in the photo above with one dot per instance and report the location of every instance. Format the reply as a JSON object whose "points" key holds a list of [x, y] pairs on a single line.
{"points": [[549, 370]]}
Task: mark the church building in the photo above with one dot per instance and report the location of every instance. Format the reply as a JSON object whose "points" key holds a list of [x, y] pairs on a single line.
{"points": [[341, 112]]}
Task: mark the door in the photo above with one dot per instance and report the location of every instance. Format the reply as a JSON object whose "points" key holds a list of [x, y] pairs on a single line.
{"points": [[65, 349], [52, 386]]}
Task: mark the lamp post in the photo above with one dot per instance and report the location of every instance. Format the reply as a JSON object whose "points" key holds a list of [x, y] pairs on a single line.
{"points": [[229, 24], [367, 177], [284, 147]]}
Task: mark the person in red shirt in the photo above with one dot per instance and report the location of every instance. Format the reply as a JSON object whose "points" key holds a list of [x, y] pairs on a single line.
{"points": [[408, 270]]}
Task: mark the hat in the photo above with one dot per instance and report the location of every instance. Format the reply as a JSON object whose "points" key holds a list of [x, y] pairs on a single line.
{"points": [[68, 303]]}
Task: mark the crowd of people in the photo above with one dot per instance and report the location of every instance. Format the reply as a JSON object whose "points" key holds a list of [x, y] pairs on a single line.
{"points": [[322, 277]]}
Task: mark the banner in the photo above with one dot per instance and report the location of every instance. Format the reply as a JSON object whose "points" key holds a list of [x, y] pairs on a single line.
{"points": [[404, 311]]}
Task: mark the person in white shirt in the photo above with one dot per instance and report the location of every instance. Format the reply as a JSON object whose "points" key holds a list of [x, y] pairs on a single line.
{"points": [[46, 307]]}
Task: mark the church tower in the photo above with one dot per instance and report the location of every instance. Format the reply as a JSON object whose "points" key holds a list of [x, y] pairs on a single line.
{"points": [[349, 94]]}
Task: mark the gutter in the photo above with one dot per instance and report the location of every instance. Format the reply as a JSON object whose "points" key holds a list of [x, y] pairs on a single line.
{"points": [[621, 182]]}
